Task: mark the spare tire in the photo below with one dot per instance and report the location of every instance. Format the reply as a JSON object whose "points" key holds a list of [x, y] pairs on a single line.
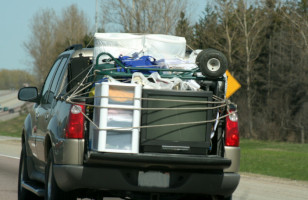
{"points": [[198, 59], [212, 63]]}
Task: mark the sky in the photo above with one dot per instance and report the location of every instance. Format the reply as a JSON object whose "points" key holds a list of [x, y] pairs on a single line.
{"points": [[16, 16]]}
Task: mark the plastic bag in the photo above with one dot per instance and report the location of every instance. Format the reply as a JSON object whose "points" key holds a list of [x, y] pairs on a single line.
{"points": [[154, 81], [144, 61]]}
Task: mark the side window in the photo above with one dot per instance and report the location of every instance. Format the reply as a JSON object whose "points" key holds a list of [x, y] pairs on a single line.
{"points": [[55, 82], [48, 81], [63, 84]]}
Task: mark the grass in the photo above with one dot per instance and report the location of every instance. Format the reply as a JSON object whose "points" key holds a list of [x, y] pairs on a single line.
{"points": [[12, 127], [285, 160]]}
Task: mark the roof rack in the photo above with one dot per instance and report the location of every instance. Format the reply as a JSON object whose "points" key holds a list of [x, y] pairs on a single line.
{"points": [[74, 47]]}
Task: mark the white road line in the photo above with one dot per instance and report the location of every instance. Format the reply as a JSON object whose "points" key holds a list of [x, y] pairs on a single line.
{"points": [[9, 156]]}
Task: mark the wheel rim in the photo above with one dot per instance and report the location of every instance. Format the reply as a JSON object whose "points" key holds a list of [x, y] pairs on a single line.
{"points": [[49, 181], [213, 64]]}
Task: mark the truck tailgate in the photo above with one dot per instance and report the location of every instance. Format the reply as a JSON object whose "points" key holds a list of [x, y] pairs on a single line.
{"points": [[158, 160]]}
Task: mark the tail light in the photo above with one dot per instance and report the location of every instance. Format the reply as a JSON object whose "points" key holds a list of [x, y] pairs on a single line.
{"points": [[75, 126], [232, 133]]}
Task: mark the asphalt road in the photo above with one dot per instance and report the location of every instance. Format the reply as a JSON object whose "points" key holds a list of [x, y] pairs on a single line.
{"points": [[8, 177], [259, 187], [9, 162], [252, 187]]}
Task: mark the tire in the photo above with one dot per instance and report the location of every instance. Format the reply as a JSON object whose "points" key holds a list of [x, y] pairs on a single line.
{"points": [[23, 193], [212, 63], [222, 198], [200, 55], [52, 191]]}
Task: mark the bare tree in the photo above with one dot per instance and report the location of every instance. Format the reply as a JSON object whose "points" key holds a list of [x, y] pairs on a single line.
{"points": [[71, 27], [39, 46], [143, 16], [51, 34], [251, 23], [225, 10], [266, 42], [297, 17]]}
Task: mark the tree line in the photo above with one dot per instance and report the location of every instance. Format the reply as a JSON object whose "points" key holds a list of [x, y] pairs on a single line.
{"points": [[15, 79], [265, 42], [266, 46]]}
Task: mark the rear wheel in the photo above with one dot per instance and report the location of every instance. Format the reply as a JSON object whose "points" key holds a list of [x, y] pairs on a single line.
{"points": [[23, 193], [52, 191]]}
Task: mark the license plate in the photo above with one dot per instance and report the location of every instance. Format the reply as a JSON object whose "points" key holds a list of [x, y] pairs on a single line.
{"points": [[153, 179]]}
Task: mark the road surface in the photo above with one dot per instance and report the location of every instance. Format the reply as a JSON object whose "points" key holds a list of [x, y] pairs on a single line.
{"points": [[8, 177], [259, 187], [9, 161], [252, 187]]}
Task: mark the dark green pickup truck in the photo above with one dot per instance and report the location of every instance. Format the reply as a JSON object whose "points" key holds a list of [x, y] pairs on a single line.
{"points": [[186, 145]]}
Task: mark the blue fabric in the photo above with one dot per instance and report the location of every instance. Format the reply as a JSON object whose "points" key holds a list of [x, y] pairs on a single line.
{"points": [[143, 61]]}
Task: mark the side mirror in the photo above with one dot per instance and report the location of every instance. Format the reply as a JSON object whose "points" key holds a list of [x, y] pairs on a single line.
{"points": [[28, 94]]}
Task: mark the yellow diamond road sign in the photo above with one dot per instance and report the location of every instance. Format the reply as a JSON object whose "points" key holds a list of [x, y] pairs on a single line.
{"points": [[233, 85]]}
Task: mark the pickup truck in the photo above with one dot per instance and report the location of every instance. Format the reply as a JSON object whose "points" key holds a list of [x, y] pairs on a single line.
{"points": [[185, 145]]}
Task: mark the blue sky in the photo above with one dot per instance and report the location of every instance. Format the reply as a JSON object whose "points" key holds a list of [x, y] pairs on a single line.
{"points": [[16, 16]]}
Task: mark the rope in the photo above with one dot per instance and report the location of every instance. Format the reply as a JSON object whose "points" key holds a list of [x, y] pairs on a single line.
{"points": [[163, 125], [151, 99], [132, 108], [90, 41], [189, 47], [218, 98], [76, 93], [74, 79]]}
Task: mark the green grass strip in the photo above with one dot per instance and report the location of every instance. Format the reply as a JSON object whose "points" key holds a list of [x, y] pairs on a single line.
{"points": [[12, 127], [285, 160]]}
